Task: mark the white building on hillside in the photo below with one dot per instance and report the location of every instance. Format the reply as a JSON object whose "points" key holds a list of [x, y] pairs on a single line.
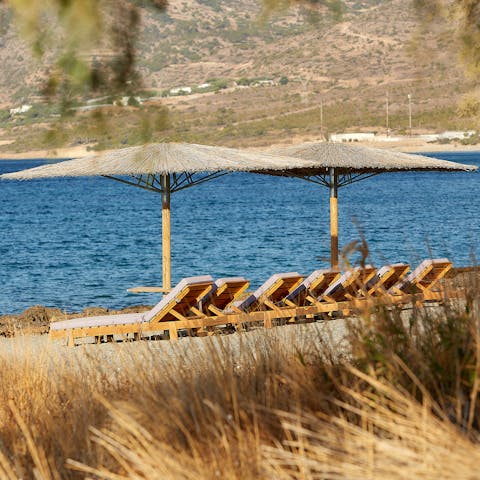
{"points": [[124, 100], [22, 109], [264, 83], [455, 135], [180, 90]]}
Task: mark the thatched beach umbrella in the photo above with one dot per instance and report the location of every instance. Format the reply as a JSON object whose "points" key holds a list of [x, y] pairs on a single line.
{"points": [[170, 167], [336, 165], [166, 168]]}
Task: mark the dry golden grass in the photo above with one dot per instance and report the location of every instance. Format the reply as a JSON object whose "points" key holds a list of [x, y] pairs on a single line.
{"points": [[290, 403]]}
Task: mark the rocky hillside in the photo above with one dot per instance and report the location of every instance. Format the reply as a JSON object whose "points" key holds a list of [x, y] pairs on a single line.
{"points": [[377, 42], [349, 65]]}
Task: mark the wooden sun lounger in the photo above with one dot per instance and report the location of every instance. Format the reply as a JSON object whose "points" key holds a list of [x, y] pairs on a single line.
{"points": [[178, 305], [424, 279], [312, 287], [386, 278], [224, 291], [180, 309], [365, 287], [392, 287], [270, 294], [349, 286]]}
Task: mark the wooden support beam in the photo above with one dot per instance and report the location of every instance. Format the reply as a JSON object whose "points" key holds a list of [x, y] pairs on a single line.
{"points": [[166, 234], [173, 332], [197, 312], [333, 218], [215, 310], [148, 290]]}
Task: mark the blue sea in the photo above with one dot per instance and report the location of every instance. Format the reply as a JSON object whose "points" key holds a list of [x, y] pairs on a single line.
{"points": [[78, 242]]}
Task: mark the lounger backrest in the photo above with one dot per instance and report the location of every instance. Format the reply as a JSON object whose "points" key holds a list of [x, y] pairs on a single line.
{"points": [[275, 289], [425, 276], [351, 283], [224, 292], [321, 284], [185, 295], [315, 284], [387, 277]]}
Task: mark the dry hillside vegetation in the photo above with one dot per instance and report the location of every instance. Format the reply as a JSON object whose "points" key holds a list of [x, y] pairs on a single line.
{"points": [[378, 46]]}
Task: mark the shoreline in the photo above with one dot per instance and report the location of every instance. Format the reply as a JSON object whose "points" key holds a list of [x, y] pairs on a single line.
{"points": [[54, 153], [407, 146], [416, 146]]}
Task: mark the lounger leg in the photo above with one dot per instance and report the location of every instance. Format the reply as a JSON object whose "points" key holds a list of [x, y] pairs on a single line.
{"points": [[210, 331], [242, 327], [136, 337], [267, 323], [70, 340], [109, 338], [97, 339], [231, 327], [173, 333]]}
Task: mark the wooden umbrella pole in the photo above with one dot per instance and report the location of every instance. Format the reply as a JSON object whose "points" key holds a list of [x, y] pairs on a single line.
{"points": [[333, 218], [166, 237]]}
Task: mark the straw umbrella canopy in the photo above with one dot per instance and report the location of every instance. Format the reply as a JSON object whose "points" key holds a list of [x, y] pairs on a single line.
{"points": [[336, 165], [166, 159], [170, 167], [166, 168]]}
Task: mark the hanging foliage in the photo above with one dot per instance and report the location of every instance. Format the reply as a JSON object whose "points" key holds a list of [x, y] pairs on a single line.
{"points": [[464, 17], [93, 42]]}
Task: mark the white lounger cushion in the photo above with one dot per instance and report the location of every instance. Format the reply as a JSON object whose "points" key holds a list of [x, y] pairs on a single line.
{"points": [[222, 281], [101, 321]]}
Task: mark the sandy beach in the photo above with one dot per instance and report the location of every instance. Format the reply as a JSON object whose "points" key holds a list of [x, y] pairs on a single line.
{"points": [[414, 145], [66, 152], [409, 145], [334, 331]]}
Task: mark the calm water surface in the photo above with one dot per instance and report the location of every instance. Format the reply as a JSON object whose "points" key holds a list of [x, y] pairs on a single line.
{"points": [[73, 243]]}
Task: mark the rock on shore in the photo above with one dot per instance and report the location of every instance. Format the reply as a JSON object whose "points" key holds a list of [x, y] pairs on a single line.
{"points": [[36, 319]]}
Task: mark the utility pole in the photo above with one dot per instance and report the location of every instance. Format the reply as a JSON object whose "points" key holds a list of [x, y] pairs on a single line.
{"points": [[321, 119], [410, 113], [388, 120]]}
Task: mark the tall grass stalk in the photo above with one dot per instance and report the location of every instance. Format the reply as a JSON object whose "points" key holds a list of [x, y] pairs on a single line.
{"points": [[393, 394]]}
